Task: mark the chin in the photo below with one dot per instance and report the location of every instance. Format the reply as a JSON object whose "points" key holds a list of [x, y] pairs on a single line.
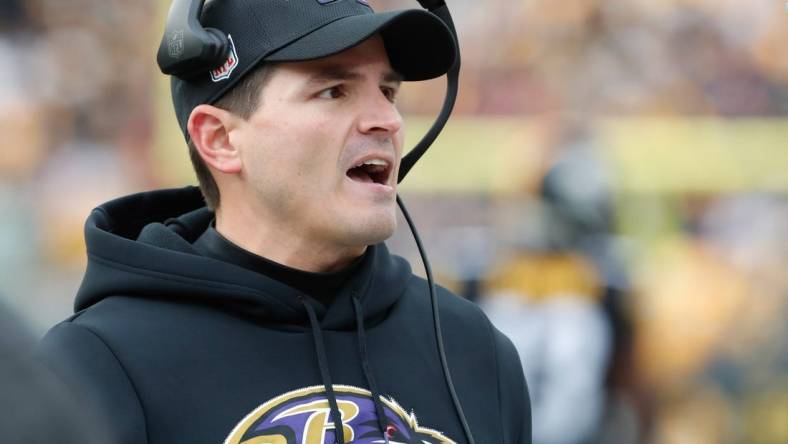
{"points": [[372, 229]]}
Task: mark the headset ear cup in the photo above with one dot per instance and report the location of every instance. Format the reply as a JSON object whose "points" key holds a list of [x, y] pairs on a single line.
{"points": [[216, 49], [187, 49]]}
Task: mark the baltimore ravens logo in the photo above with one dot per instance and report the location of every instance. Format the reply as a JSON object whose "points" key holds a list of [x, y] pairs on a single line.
{"points": [[304, 417]]}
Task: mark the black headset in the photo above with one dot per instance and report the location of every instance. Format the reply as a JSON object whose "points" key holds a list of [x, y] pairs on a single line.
{"points": [[188, 49]]}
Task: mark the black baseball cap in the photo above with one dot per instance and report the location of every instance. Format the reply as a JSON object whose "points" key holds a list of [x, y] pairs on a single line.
{"points": [[419, 45]]}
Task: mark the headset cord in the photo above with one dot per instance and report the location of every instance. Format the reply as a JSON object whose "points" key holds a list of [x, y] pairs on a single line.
{"points": [[437, 323]]}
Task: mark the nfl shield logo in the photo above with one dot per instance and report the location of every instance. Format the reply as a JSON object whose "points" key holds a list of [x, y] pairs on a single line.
{"points": [[223, 72], [175, 46]]}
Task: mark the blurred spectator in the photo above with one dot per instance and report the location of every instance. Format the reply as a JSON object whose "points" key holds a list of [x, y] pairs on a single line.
{"points": [[711, 310], [547, 304], [37, 408], [560, 298]]}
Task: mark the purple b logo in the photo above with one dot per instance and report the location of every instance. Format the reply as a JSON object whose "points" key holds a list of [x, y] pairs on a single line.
{"points": [[304, 416]]}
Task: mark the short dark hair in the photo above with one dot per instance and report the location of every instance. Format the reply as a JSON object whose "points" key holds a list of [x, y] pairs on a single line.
{"points": [[243, 100]]}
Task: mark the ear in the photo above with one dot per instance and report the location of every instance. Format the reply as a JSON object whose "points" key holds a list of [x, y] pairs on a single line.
{"points": [[209, 128]]}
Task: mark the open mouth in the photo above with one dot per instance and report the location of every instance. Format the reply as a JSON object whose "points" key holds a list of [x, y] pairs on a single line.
{"points": [[371, 171]]}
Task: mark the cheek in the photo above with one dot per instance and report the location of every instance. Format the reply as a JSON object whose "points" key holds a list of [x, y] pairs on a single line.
{"points": [[306, 145], [268, 143], [315, 147], [399, 139]]}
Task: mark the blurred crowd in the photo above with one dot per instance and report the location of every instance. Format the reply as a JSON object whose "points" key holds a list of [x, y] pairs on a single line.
{"points": [[75, 118], [688, 57], [641, 315], [672, 331]]}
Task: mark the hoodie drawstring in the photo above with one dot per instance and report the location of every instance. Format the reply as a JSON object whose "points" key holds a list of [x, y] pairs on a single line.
{"points": [[322, 362], [373, 387]]}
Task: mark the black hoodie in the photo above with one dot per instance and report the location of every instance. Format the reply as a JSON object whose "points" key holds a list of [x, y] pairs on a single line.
{"points": [[176, 347]]}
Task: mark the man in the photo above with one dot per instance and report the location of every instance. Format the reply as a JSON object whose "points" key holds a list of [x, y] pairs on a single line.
{"points": [[267, 309]]}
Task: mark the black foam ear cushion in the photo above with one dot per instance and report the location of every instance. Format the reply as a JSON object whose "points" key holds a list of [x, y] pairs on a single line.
{"points": [[216, 49]]}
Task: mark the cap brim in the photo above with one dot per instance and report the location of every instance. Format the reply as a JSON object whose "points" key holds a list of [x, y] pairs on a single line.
{"points": [[419, 45]]}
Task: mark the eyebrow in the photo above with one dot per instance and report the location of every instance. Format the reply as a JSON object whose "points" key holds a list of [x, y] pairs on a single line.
{"points": [[332, 73]]}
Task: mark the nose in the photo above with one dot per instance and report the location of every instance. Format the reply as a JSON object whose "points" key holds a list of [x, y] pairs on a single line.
{"points": [[380, 116]]}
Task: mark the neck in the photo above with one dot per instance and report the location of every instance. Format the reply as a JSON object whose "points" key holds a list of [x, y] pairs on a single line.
{"points": [[283, 244]]}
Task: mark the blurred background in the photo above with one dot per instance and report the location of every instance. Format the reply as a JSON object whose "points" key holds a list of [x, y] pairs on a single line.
{"points": [[612, 190]]}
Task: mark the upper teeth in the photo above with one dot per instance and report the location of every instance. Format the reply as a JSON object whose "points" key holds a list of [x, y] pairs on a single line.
{"points": [[373, 162]]}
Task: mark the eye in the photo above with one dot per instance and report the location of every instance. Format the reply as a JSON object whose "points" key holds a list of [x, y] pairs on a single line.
{"points": [[389, 92], [335, 92]]}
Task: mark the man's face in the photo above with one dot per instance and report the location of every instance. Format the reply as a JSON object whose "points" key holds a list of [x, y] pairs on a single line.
{"points": [[321, 153]]}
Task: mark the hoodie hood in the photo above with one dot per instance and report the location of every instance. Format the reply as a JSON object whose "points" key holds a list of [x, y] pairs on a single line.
{"points": [[141, 246]]}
